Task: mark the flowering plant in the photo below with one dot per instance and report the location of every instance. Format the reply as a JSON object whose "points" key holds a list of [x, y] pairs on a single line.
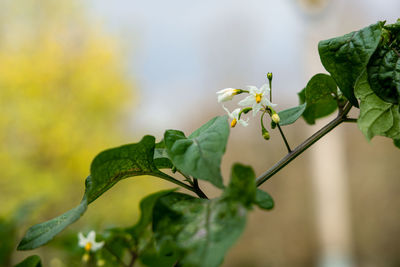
{"points": [[180, 229]]}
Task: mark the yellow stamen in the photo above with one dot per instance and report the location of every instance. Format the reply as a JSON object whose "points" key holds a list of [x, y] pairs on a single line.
{"points": [[88, 246], [258, 98], [233, 123]]}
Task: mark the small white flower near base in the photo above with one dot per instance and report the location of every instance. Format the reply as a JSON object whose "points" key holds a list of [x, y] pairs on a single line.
{"points": [[89, 243]]}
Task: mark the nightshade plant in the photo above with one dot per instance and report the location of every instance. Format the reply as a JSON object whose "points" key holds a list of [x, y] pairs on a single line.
{"points": [[178, 229]]}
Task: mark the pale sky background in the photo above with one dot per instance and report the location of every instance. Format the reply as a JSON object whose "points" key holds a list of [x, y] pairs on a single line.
{"points": [[182, 52]]}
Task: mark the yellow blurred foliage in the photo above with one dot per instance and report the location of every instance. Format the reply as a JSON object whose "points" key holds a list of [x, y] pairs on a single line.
{"points": [[64, 95]]}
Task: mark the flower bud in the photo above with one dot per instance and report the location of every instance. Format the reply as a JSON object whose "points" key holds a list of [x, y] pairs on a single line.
{"points": [[86, 257], [275, 118], [269, 76], [265, 134]]}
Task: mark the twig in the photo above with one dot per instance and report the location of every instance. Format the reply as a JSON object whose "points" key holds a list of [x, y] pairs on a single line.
{"points": [[350, 120], [199, 192], [284, 138], [303, 146]]}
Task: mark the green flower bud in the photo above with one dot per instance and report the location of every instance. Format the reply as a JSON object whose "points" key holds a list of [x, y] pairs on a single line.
{"points": [[269, 76], [265, 134]]}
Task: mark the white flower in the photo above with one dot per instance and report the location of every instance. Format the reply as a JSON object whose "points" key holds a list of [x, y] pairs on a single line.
{"points": [[235, 117], [227, 94], [257, 98], [89, 243]]}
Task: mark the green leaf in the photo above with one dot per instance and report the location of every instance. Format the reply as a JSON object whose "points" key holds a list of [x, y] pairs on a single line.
{"points": [[113, 165], [107, 168], [42, 233], [319, 95], [384, 71], [203, 230], [346, 57], [200, 154], [264, 200], [161, 158], [242, 186], [152, 256], [319, 87], [377, 117], [146, 213], [31, 261], [396, 142], [290, 115]]}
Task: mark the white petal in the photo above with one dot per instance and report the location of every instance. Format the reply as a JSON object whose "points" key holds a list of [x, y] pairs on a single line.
{"points": [[251, 88], [256, 108], [248, 101], [223, 91], [97, 245], [266, 102], [243, 122], [235, 113], [227, 111], [265, 88], [91, 237], [82, 240]]}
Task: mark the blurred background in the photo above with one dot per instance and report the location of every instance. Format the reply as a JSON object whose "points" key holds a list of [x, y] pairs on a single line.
{"points": [[79, 77]]}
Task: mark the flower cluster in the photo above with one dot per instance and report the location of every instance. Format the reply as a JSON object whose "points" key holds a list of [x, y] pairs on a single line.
{"points": [[258, 99]]}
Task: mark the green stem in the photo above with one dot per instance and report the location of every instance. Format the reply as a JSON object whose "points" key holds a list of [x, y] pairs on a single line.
{"points": [[133, 259], [350, 120], [173, 180], [284, 138], [195, 186], [270, 90], [199, 192], [303, 146], [187, 178]]}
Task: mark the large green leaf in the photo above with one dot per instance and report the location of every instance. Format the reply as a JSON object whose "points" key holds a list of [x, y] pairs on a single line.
{"points": [[200, 154], [377, 117], [107, 168], [203, 230], [146, 213], [242, 187], [148, 253], [384, 67], [290, 115], [31, 261], [319, 95], [346, 57]]}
